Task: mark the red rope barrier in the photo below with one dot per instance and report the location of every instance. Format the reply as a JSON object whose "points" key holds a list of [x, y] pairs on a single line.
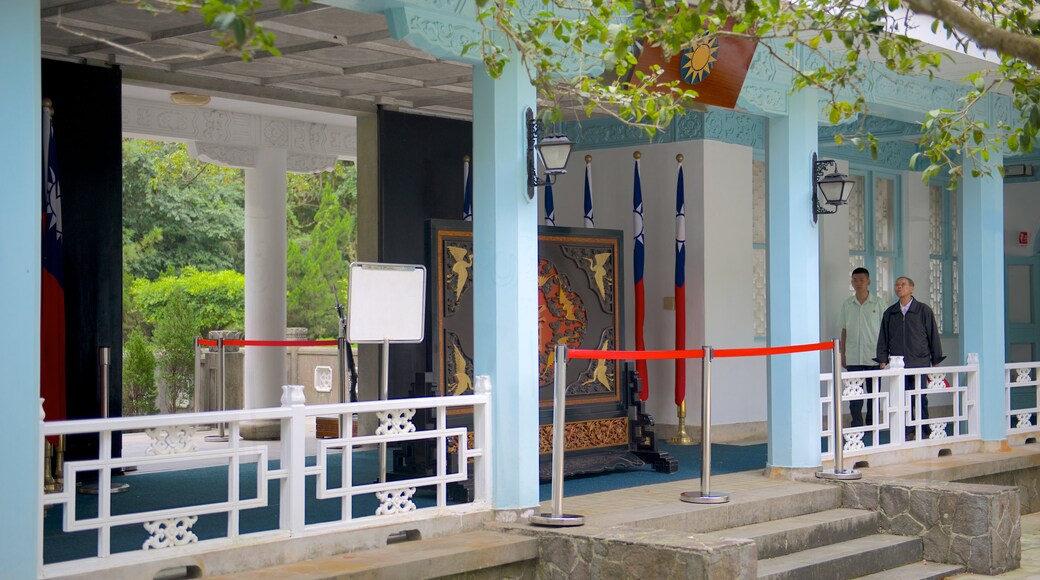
{"points": [[633, 354], [733, 352], [332, 342], [678, 354]]}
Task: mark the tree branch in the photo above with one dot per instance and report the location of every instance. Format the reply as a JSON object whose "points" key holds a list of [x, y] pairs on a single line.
{"points": [[984, 34]]}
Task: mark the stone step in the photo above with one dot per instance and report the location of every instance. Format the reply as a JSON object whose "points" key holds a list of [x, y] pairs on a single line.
{"points": [[850, 559], [804, 532], [415, 560], [749, 507], [918, 571]]}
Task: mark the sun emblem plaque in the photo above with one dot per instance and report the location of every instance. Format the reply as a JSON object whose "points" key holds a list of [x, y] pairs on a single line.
{"points": [[696, 62]]}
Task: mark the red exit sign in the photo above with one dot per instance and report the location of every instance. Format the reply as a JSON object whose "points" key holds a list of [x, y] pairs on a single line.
{"points": [[1023, 238]]}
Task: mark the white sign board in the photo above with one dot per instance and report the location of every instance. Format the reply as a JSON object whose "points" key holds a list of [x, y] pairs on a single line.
{"points": [[387, 303]]}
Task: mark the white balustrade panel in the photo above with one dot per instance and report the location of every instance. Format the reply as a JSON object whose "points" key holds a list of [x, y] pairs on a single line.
{"points": [[1021, 399], [894, 403], [227, 478]]}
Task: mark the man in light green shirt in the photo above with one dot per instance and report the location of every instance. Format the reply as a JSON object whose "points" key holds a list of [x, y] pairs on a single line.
{"points": [[860, 321]]}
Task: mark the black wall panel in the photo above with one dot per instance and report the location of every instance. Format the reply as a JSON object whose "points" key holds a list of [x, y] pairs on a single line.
{"points": [[420, 178], [88, 131]]}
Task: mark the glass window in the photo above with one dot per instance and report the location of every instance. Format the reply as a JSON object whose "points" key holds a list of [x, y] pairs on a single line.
{"points": [[758, 244], [942, 258], [874, 231]]}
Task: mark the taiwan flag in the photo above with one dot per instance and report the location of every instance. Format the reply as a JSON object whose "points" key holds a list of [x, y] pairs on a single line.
{"points": [[680, 284], [467, 195], [638, 242], [52, 304]]}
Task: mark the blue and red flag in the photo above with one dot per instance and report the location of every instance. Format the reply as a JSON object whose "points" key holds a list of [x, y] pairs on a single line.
{"points": [[52, 303], [590, 222], [467, 197], [550, 205], [638, 251], [680, 284]]}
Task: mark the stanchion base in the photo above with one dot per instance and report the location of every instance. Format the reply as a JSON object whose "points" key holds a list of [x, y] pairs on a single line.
{"points": [[846, 474], [94, 489], [560, 521], [681, 440], [697, 497], [217, 438]]}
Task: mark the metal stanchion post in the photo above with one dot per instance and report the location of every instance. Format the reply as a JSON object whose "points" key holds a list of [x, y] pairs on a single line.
{"points": [[839, 471], [557, 518], [221, 435], [705, 496], [198, 374], [104, 367], [341, 347]]}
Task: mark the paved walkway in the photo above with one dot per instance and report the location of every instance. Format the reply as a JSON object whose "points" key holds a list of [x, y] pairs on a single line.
{"points": [[606, 506]]}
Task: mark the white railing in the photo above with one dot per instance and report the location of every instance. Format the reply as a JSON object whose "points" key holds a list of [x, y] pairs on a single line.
{"points": [[1021, 398], [175, 449], [952, 391]]}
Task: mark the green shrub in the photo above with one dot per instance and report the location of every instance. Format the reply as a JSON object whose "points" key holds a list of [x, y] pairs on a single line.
{"points": [[138, 376]]}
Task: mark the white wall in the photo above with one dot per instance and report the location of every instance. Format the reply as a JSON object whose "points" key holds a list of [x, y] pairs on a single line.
{"points": [[835, 274], [1021, 214], [718, 264]]}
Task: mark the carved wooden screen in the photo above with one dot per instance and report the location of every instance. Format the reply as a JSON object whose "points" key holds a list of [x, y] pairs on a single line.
{"points": [[579, 304]]}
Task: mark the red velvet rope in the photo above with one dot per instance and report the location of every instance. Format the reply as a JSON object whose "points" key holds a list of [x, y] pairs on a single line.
{"points": [[204, 342], [677, 354], [633, 354], [732, 352]]}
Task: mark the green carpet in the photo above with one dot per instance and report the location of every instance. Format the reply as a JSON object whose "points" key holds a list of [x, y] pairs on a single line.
{"points": [[151, 491]]}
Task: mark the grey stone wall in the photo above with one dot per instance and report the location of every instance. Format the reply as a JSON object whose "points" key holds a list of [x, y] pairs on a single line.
{"points": [[977, 526], [1027, 481], [628, 552]]}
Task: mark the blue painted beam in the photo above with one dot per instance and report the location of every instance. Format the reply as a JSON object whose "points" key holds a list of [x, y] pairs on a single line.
{"points": [[20, 220], [794, 287], [982, 263], [505, 255]]}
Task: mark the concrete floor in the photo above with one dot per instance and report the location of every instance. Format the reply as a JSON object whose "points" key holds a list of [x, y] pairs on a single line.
{"points": [[606, 506]]}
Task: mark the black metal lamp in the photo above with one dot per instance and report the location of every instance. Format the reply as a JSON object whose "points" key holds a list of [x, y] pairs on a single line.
{"points": [[554, 150], [834, 187]]}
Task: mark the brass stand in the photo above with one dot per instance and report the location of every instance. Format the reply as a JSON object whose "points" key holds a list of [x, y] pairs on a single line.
{"points": [[49, 486], [681, 436], [53, 466]]}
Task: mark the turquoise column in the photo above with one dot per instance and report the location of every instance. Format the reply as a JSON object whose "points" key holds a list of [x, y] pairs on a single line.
{"points": [[20, 211], [794, 287], [982, 279], [505, 256]]}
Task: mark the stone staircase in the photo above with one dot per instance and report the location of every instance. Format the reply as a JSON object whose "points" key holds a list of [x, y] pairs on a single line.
{"points": [[792, 530], [798, 531], [835, 543], [828, 542]]}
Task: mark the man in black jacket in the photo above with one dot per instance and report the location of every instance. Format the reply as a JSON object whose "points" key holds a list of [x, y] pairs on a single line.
{"points": [[908, 329]]}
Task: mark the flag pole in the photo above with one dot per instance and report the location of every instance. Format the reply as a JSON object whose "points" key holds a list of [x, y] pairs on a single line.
{"points": [[681, 436]]}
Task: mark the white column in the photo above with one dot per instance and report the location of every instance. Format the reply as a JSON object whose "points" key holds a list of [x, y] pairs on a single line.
{"points": [[20, 210], [265, 241], [794, 288]]}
